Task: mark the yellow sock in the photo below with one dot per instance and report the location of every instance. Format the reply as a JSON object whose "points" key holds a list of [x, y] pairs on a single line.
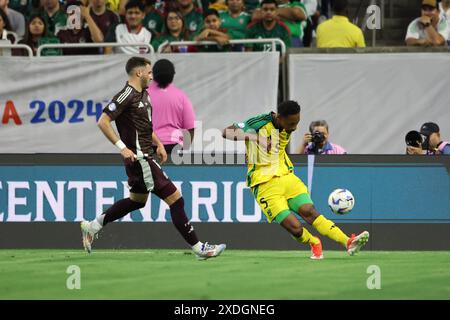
{"points": [[306, 237], [328, 228]]}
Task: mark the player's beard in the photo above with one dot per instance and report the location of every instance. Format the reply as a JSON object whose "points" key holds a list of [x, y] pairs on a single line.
{"points": [[144, 83]]}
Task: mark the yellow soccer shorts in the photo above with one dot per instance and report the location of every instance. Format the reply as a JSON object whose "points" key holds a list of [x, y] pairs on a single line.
{"points": [[281, 195]]}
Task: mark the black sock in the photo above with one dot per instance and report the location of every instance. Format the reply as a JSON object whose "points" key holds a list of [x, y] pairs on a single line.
{"points": [[181, 222], [120, 209]]}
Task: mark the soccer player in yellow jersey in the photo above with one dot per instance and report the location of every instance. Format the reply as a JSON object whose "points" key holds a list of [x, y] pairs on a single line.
{"points": [[278, 191]]}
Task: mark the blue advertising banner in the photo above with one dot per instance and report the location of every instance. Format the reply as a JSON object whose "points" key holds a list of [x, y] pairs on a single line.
{"points": [[213, 193]]}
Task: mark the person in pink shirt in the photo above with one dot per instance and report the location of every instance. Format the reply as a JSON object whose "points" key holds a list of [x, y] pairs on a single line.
{"points": [[172, 112], [316, 140]]}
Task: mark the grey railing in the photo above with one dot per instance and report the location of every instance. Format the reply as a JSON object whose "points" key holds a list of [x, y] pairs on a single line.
{"points": [[93, 45], [17, 46], [272, 41]]}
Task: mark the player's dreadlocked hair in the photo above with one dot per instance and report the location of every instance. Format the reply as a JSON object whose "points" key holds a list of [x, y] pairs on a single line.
{"points": [[288, 108], [136, 62]]}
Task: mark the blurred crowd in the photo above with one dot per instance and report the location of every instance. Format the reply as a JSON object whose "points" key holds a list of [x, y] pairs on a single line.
{"points": [[157, 22], [298, 23]]}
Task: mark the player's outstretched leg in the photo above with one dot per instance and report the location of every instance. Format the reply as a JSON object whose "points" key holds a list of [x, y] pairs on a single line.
{"points": [[301, 235], [202, 251], [356, 242], [328, 228], [121, 208]]}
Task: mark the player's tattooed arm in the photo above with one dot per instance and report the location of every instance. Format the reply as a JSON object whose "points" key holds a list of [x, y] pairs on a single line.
{"points": [[237, 134]]}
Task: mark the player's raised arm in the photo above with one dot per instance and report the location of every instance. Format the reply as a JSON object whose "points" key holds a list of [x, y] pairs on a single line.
{"points": [[237, 134], [248, 130], [104, 124]]}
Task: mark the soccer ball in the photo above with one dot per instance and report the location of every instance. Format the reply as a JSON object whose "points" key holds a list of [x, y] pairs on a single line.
{"points": [[341, 201]]}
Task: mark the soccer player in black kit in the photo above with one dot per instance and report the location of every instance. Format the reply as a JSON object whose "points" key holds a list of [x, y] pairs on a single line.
{"points": [[132, 111]]}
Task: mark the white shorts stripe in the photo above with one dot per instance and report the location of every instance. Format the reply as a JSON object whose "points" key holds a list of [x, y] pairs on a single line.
{"points": [[147, 173], [146, 170]]}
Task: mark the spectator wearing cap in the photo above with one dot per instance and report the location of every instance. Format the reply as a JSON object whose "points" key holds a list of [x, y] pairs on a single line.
{"points": [[316, 140], [428, 30], [339, 32], [132, 31], [171, 108], [444, 12], [432, 142], [16, 19], [84, 30], [213, 32]]}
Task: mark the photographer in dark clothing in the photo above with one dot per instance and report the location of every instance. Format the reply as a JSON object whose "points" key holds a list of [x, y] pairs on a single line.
{"points": [[427, 141]]}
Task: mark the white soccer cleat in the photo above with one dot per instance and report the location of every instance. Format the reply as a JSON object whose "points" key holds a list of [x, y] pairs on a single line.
{"points": [[356, 242], [87, 236], [210, 251]]}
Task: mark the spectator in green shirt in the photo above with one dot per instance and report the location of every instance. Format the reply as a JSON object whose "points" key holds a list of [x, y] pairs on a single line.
{"points": [[235, 20], [269, 27], [293, 15], [193, 18], [212, 31], [174, 31], [154, 20], [36, 35], [54, 15]]}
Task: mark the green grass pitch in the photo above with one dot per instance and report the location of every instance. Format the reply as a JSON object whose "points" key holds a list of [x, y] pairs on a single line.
{"points": [[238, 274]]}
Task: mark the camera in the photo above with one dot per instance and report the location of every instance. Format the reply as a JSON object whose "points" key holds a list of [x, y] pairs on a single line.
{"points": [[414, 139], [317, 137], [418, 140]]}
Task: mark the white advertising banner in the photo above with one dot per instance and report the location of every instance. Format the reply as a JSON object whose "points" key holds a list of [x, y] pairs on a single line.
{"points": [[50, 104], [371, 101]]}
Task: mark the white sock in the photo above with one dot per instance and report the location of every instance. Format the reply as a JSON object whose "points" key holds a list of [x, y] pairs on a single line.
{"points": [[197, 247], [95, 226]]}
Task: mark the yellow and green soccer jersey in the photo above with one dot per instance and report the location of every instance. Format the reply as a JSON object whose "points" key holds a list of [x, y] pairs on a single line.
{"points": [[263, 165]]}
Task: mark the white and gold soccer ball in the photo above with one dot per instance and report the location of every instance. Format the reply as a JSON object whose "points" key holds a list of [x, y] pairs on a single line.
{"points": [[341, 201]]}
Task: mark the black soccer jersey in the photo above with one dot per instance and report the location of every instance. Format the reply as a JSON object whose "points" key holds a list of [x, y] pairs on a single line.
{"points": [[132, 112]]}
